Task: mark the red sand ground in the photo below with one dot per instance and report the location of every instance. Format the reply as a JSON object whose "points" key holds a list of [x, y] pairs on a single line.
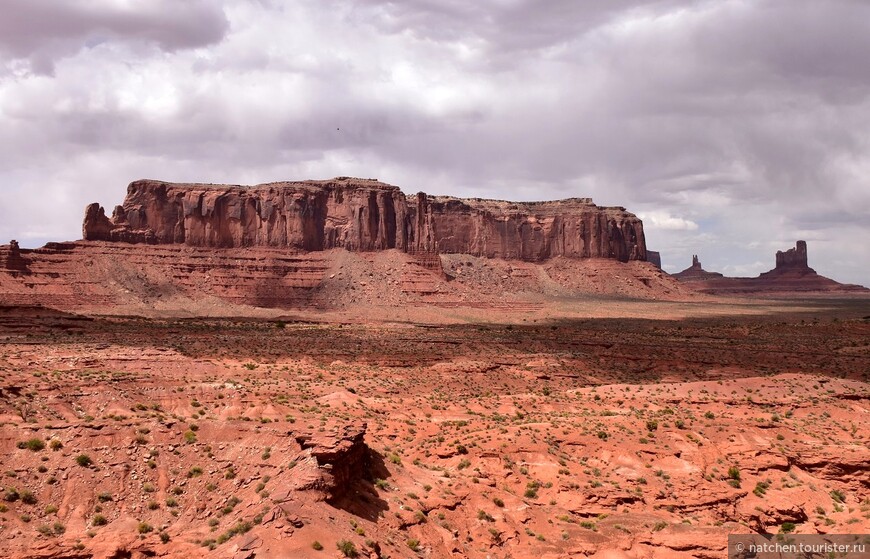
{"points": [[578, 427]]}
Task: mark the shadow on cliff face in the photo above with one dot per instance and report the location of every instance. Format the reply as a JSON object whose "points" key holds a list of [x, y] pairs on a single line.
{"points": [[361, 498]]}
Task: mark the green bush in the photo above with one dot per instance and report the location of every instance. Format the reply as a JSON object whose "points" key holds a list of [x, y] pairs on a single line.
{"points": [[347, 548], [761, 488], [44, 529], [734, 477], [28, 497], [734, 473], [35, 444]]}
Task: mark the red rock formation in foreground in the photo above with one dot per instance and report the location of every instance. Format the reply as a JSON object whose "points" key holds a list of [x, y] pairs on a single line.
{"points": [[364, 215], [791, 274]]}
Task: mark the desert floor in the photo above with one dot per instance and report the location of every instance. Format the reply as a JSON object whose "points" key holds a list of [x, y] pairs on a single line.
{"points": [[603, 427]]}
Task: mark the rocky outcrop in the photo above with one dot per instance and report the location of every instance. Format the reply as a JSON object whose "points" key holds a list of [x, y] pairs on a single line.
{"points": [[342, 457], [654, 258], [364, 215], [10, 258], [795, 258], [792, 262], [97, 226], [331, 463], [846, 463], [696, 272]]}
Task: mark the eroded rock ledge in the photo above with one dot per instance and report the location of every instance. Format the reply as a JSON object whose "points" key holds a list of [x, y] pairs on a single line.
{"points": [[364, 215]]}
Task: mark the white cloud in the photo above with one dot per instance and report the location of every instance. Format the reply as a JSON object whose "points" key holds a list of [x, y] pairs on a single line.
{"points": [[663, 220], [730, 126]]}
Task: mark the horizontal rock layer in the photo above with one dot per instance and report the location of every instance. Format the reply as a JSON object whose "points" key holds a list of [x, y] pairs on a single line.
{"points": [[115, 277], [364, 215]]}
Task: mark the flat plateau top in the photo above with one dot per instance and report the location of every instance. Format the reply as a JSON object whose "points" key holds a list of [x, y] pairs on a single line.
{"points": [[310, 184], [373, 184]]}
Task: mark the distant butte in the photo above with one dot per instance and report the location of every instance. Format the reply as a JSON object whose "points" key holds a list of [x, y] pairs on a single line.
{"points": [[791, 274], [696, 272]]}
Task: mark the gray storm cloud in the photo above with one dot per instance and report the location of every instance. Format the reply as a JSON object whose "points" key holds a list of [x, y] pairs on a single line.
{"points": [[44, 31], [734, 127]]}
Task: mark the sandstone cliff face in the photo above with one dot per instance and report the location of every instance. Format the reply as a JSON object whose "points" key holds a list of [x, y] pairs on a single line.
{"points": [[359, 216], [364, 215], [531, 231], [655, 258]]}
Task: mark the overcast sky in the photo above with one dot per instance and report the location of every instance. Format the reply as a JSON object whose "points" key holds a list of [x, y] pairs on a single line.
{"points": [[732, 128]]}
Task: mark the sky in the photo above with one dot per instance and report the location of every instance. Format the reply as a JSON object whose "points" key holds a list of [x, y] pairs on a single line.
{"points": [[732, 128]]}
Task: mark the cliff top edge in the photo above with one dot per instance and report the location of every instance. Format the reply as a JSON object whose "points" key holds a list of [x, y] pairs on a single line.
{"points": [[359, 182]]}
